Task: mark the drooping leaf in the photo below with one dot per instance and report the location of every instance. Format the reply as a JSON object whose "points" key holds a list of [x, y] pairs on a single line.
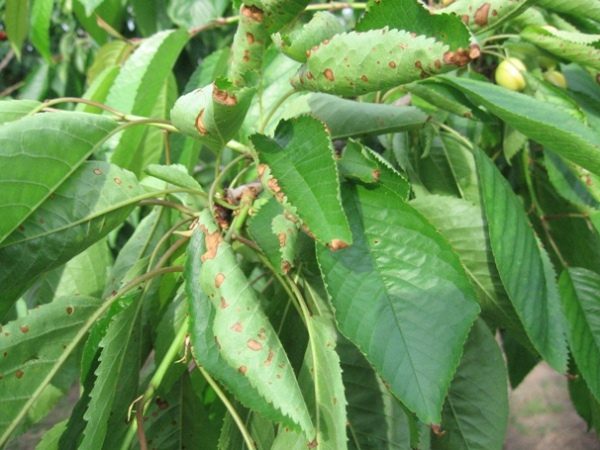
{"points": [[41, 16], [139, 84], [376, 420], [540, 121], [34, 163], [356, 163], [579, 8], [35, 348], [175, 174], [94, 200], [584, 402], [300, 158], [565, 180], [11, 110], [462, 224], [413, 16], [259, 229], [212, 114], [483, 15], [111, 11], [577, 47], [119, 360], [232, 337], [195, 13], [346, 118], [295, 43], [98, 90], [580, 294], [16, 19], [321, 381], [475, 415], [397, 291], [359, 62], [523, 265]]}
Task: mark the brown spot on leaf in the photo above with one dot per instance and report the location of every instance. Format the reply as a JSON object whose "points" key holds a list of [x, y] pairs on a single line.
{"points": [[223, 303], [465, 18], [274, 185], [5, 354], [261, 169], [392, 64], [262, 334], [376, 174], [69, 310], [364, 78], [437, 430], [246, 56], [250, 38], [314, 442], [282, 237], [162, 404], [252, 12], [334, 400], [19, 374], [286, 266], [117, 180], [223, 97], [211, 241], [97, 171], [24, 328], [309, 75], [481, 15], [219, 279], [254, 345], [437, 64], [269, 359], [200, 123], [237, 327], [242, 370], [337, 244], [474, 51], [329, 74]]}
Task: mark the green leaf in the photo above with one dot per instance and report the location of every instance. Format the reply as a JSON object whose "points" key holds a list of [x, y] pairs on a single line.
{"points": [[443, 97], [577, 47], [94, 200], [321, 381], [356, 163], [475, 415], [285, 227], [234, 338], [91, 5], [278, 13], [175, 174], [584, 402], [98, 90], [301, 161], [567, 183], [462, 224], [523, 265], [195, 13], [259, 228], [111, 11], [50, 439], [41, 17], [579, 8], [16, 20], [295, 43], [413, 16], [398, 291], [11, 110], [35, 348], [376, 420], [580, 290], [212, 114], [355, 63], [140, 83], [540, 121], [119, 358], [111, 54], [345, 118], [34, 163], [484, 15]]}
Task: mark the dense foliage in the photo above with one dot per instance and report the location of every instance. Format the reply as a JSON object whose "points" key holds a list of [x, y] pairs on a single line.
{"points": [[279, 224]]}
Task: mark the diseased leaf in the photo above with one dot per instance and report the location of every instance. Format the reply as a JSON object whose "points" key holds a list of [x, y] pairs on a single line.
{"points": [[35, 347], [577, 47], [580, 8], [550, 126], [359, 62], [285, 228], [94, 200], [356, 163], [278, 13], [398, 291], [295, 43], [175, 174], [231, 335], [195, 13], [33, 163], [475, 415], [580, 294], [523, 264], [212, 114], [412, 16], [484, 15], [91, 5], [300, 158]]}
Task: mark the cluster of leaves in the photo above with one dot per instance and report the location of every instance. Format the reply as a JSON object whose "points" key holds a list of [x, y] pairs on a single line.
{"points": [[277, 224]]}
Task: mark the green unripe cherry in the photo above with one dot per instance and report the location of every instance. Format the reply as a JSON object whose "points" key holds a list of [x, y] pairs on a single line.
{"points": [[509, 74], [556, 78]]}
